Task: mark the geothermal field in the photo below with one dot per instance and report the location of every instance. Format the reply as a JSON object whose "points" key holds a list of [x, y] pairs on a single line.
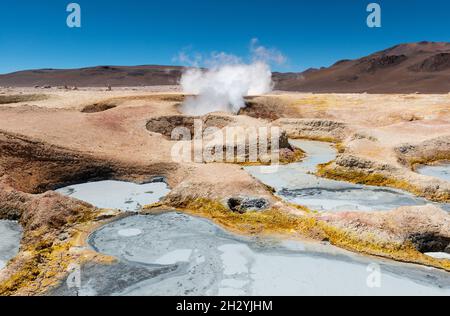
{"points": [[142, 191], [215, 156]]}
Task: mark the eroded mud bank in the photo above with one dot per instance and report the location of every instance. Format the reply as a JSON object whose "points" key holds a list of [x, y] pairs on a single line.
{"points": [[54, 232]]}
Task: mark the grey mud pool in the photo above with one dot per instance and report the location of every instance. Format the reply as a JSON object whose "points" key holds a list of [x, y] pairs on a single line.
{"points": [[11, 234], [440, 171], [297, 183], [178, 254], [125, 196]]}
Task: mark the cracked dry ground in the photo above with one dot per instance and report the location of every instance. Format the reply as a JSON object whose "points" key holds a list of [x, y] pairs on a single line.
{"points": [[49, 143]]}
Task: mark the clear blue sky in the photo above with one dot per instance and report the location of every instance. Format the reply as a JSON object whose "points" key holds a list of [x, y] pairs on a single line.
{"points": [[33, 33]]}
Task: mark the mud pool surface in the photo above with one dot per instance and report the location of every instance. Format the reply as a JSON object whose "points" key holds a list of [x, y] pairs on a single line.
{"points": [[438, 171], [120, 195], [10, 236], [297, 184], [177, 254]]}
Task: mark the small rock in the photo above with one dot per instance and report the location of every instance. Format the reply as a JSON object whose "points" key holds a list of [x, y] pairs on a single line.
{"points": [[64, 236], [245, 204], [447, 250]]}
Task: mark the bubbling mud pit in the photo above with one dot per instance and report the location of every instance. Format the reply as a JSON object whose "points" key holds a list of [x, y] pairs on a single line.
{"points": [[11, 234], [177, 254], [297, 183]]}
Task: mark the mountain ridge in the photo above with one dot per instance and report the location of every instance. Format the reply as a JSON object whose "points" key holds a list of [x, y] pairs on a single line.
{"points": [[405, 68], [422, 67]]}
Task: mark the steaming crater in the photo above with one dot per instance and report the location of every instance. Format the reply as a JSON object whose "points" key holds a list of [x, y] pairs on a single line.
{"points": [[165, 125], [223, 88]]}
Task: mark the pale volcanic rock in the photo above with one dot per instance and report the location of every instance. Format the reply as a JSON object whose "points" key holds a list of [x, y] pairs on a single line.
{"points": [[313, 128], [400, 225]]}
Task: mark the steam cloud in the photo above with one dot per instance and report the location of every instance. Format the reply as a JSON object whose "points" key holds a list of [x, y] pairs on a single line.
{"points": [[228, 80]]}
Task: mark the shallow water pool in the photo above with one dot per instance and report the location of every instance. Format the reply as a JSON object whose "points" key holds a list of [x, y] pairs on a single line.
{"points": [[10, 236], [297, 183], [441, 171], [125, 196]]}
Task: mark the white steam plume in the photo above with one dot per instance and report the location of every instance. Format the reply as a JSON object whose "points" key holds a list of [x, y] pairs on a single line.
{"points": [[228, 80], [224, 88]]}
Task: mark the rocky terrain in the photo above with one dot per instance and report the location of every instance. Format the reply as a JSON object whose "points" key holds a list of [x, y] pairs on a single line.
{"points": [[53, 141]]}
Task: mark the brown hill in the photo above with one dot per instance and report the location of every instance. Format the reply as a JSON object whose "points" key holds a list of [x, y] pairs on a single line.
{"points": [[419, 67], [407, 68], [101, 76]]}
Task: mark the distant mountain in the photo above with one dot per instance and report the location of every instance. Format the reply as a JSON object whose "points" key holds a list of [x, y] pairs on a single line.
{"points": [[419, 67], [407, 68], [101, 76]]}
